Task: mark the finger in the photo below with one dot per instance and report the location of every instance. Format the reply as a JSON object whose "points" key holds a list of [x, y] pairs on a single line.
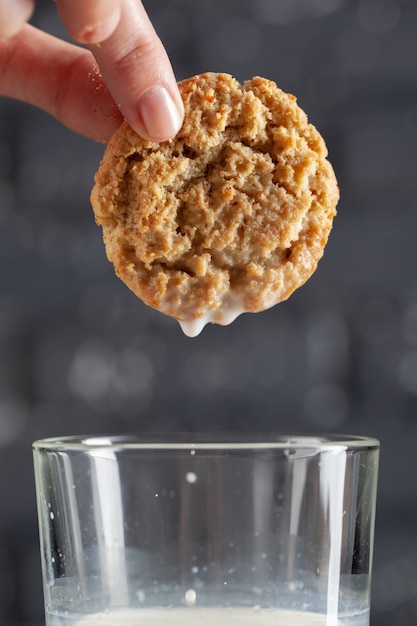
{"points": [[59, 78], [13, 14], [138, 73], [91, 21]]}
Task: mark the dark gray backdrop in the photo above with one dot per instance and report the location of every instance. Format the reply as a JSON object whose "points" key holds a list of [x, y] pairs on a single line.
{"points": [[79, 353]]}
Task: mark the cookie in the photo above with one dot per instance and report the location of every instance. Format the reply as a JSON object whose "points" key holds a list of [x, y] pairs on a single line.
{"points": [[232, 215]]}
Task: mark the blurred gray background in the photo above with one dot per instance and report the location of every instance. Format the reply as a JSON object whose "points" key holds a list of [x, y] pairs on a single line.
{"points": [[80, 354]]}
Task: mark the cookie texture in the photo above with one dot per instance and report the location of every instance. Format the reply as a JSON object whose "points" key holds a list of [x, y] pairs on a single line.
{"points": [[234, 212]]}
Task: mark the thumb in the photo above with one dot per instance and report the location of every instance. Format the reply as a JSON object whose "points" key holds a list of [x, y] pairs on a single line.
{"points": [[13, 14], [139, 75]]}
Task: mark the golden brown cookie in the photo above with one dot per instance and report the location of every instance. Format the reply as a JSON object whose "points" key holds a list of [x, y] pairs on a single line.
{"points": [[230, 216]]}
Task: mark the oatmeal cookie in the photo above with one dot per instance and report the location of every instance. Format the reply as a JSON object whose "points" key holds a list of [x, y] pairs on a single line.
{"points": [[232, 215]]}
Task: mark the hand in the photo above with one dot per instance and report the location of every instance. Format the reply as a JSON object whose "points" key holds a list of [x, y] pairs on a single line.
{"points": [[124, 73]]}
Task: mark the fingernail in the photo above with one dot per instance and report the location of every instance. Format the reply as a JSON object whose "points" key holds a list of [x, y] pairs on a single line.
{"points": [[160, 115]]}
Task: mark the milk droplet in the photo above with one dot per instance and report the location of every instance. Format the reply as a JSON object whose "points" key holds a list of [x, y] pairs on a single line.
{"points": [[230, 309], [190, 477], [190, 597]]}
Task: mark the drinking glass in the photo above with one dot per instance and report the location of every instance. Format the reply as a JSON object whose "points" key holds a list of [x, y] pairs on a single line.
{"points": [[243, 528]]}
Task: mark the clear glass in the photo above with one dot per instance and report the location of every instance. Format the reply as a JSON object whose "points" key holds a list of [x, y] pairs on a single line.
{"points": [[250, 528]]}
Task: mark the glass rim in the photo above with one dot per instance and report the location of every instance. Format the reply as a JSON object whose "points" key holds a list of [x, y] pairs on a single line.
{"points": [[207, 441]]}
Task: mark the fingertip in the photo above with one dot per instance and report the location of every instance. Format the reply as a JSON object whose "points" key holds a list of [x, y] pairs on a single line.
{"points": [[159, 115]]}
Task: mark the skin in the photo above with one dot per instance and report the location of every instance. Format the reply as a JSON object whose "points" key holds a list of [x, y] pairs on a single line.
{"points": [[123, 70]]}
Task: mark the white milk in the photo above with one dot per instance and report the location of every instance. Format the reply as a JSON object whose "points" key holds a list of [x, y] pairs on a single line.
{"points": [[206, 617], [231, 308], [225, 314]]}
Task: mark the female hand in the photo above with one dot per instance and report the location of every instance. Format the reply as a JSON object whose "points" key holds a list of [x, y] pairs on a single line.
{"points": [[124, 73]]}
